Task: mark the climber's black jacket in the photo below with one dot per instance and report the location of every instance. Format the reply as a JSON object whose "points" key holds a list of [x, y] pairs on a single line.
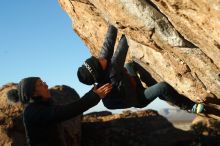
{"points": [[122, 95]]}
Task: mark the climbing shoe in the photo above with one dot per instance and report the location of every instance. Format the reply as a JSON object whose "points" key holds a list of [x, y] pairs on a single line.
{"points": [[198, 108]]}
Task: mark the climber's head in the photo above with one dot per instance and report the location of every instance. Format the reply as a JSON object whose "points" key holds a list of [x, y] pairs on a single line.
{"points": [[92, 71], [29, 88]]}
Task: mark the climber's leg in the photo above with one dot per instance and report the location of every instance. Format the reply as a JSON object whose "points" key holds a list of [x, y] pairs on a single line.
{"points": [[117, 62], [120, 54], [152, 92], [165, 92], [109, 43], [168, 93]]}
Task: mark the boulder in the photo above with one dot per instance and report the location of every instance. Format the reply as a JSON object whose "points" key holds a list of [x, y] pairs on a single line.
{"points": [[174, 41], [129, 128]]}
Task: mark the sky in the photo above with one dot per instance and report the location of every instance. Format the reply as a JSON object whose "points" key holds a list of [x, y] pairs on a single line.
{"points": [[37, 39]]}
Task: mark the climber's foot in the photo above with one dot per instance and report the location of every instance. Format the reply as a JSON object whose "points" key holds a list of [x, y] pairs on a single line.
{"points": [[198, 108]]}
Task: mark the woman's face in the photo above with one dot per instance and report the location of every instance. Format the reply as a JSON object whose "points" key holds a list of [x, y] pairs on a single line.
{"points": [[41, 89]]}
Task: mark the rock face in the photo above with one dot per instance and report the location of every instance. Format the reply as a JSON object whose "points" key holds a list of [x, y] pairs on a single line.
{"points": [[104, 128], [11, 126], [70, 130], [131, 129], [140, 128], [175, 41], [207, 129], [12, 131], [206, 126]]}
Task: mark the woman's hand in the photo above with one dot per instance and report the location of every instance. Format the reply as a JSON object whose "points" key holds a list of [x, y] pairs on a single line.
{"points": [[103, 90]]}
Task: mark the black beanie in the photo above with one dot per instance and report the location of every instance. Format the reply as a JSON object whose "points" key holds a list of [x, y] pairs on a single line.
{"points": [[24, 91], [87, 77]]}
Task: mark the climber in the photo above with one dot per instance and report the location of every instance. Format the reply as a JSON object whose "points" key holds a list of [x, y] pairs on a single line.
{"points": [[127, 90], [41, 116]]}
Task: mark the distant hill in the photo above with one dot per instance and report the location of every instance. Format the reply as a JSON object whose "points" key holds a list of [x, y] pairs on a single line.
{"points": [[176, 115]]}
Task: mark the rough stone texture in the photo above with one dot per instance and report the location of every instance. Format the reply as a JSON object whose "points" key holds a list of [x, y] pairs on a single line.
{"points": [[197, 21], [206, 126], [175, 41], [11, 126], [70, 130], [140, 128], [12, 131], [207, 129]]}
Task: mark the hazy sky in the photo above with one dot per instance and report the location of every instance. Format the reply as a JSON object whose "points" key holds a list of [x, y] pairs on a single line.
{"points": [[37, 39]]}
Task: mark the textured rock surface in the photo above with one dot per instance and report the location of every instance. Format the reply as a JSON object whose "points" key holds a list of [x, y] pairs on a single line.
{"points": [[207, 129], [175, 41], [70, 130], [206, 126], [11, 126], [104, 128], [140, 128]]}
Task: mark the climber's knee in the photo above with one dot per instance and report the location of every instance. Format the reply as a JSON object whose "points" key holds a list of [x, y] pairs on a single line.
{"points": [[165, 86], [165, 90]]}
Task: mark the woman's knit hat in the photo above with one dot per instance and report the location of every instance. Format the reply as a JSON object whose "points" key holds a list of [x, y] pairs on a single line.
{"points": [[24, 91]]}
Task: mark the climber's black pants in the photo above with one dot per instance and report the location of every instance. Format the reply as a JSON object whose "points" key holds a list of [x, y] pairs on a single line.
{"points": [[164, 91]]}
